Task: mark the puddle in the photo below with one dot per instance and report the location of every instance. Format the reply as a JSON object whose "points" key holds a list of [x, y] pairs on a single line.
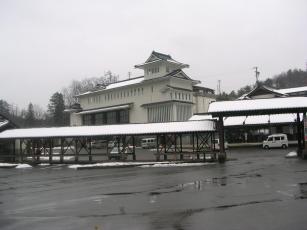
{"points": [[302, 190]]}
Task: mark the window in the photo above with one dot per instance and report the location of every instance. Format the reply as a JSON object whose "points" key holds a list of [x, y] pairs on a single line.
{"points": [[111, 117], [123, 116], [87, 119], [99, 119]]}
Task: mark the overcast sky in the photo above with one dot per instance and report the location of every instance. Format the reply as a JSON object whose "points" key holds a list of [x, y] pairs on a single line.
{"points": [[45, 44]]}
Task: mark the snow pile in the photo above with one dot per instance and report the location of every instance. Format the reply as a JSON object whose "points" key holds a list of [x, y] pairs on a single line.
{"points": [[23, 166], [109, 164], [159, 165], [138, 164], [7, 165], [291, 154]]}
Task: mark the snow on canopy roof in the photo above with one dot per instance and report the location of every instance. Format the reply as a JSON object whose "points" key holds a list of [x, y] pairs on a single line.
{"points": [[252, 120], [292, 90], [117, 85], [258, 105], [110, 130]]}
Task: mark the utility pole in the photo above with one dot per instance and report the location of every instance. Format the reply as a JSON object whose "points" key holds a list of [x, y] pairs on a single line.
{"points": [[257, 73], [219, 87], [129, 75]]}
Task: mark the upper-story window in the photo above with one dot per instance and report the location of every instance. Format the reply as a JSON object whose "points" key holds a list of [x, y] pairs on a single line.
{"points": [[153, 70]]}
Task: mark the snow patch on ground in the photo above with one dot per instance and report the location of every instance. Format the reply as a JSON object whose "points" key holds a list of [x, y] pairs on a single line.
{"points": [[12, 165], [7, 165], [138, 164], [292, 154], [23, 166], [109, 164], [174, 165]]}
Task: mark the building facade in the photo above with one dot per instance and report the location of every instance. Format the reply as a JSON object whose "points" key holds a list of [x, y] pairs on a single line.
{"points": [[164, 94]]}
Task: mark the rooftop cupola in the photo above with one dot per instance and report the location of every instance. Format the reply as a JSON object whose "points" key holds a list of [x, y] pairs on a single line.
{"points": [[159, 64]]}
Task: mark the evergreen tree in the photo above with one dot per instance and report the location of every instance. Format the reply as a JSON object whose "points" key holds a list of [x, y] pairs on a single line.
{"points": [[29, 117], [56, 109]]}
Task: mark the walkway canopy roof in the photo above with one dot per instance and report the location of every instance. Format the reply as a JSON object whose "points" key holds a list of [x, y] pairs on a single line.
{"points": [[258, 106], [112, 130]]}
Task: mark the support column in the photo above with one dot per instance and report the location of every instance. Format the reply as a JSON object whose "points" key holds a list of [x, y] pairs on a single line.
{"points": [[20, 150], [165, 156], [133, 146], [158, 148], [50, 150], [90, 149], [222, 153], [299, 135], [62, 151], [180, 140]]}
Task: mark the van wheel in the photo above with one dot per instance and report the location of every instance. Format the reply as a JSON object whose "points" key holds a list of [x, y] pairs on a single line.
{"points": [[266, 147], [284, 146]]}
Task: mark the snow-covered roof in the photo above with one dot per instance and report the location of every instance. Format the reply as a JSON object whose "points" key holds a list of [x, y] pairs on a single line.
{"points": [[292, 90], [252, 120], [3, 123], [112, 130], [198, 117], [258, 105], [117, 85], [105, 109]]}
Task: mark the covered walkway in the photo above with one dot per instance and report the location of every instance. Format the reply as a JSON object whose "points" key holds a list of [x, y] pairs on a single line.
{"points": [[75, 144], [297, 105]]}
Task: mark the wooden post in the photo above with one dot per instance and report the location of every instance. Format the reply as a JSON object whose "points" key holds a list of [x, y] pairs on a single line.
{"points": [[158, 148], [222, 154], [90, 149], [14, 150], [20, 150], [165, 156], [180, 139], [62, 150], [299, 135], [50, 150], [133, 145]]}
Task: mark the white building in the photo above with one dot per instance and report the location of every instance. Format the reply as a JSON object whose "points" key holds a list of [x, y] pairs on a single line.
{"points": [[165, 93]]}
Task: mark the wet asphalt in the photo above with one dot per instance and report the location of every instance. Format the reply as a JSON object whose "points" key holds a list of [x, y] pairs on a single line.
{"points": [[256, 189]]}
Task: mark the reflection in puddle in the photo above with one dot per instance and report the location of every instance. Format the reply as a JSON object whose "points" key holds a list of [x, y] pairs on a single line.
{"points": [[303, 191]]}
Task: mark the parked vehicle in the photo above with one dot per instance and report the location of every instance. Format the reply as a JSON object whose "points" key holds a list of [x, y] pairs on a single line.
{"points": [[119, 155], [148, 143], [98, 144], [217, 144], [276, 141]]}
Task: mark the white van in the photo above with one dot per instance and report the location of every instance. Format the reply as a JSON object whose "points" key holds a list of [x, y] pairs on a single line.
{"points": [[276, 141], [148, 143]]}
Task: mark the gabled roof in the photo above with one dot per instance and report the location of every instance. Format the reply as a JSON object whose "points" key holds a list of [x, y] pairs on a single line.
{"points": [[262, 90], [114, 85], [7, 120], [158, 57]]}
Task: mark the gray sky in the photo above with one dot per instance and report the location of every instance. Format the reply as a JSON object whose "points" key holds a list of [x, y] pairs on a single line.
{"points": [[45, 44]]}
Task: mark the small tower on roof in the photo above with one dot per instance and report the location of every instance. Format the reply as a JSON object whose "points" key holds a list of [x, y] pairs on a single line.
{"points": [[159, 64]]}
